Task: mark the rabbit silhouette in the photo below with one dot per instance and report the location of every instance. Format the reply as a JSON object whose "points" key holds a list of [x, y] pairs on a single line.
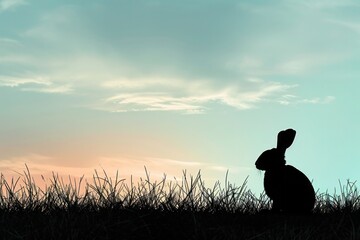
{"points": [[288, 188]]}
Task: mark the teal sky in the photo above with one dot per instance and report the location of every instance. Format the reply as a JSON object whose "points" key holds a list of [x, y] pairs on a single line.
{"points": [[173, 85]]}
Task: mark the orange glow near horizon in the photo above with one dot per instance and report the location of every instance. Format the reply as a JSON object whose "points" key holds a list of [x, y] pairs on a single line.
{"points": [[128, 169]]}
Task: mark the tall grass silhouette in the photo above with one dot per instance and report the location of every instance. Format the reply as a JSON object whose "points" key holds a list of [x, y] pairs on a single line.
{"points": [[109, 208]]}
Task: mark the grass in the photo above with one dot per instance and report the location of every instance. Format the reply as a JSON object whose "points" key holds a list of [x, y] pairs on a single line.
{"points": [[109, 208]]}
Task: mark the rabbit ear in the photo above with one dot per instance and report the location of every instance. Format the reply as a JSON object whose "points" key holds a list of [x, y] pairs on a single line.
{"points": [[285, 139]]}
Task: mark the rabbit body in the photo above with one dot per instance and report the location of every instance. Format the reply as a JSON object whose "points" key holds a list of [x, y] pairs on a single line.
{"points": [[288, 188]]}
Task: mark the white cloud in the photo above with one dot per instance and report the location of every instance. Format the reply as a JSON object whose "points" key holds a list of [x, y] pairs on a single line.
{"points": [[51, 89], [242, 95], [9, 4], [155, 102], [127, 76], [35, 84], [141, 83], [291, 99], [318, 100], [10, 81]]}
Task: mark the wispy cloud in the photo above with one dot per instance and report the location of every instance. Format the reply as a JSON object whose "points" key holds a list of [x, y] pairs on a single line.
{"points": [[51, 89], [318, 100], [10, 81], [141, 74], [291, 99], [242, 95], [156, 102], [199, 96], [35, 84], [10, 4]]}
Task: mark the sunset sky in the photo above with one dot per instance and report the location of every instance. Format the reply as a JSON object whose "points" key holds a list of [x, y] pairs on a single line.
{"points": [[173, 85]]}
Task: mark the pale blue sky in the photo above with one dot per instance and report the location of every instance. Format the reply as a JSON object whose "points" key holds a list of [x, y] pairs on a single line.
{"points": [[180, 85]]}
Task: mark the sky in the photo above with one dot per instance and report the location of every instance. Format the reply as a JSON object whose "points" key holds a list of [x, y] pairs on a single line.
{"points": [[175, 85]]}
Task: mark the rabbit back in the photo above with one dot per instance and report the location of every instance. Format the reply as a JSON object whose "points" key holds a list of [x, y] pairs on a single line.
{"points": [[290, 189]]}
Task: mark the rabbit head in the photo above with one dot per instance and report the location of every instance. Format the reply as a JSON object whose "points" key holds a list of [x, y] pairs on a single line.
{"points": [[275, 157]]}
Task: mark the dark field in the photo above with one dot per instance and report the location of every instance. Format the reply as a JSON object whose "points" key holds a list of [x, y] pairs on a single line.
{"points": [[110, 209]]}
